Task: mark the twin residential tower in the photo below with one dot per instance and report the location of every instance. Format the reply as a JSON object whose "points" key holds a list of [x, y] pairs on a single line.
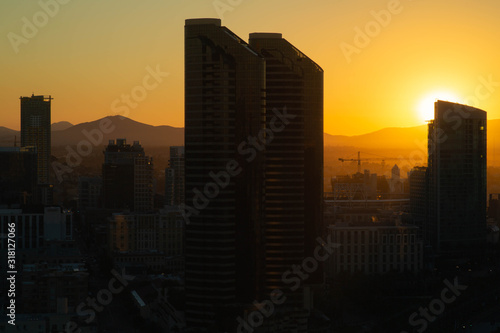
{"points": [[253, 170]]}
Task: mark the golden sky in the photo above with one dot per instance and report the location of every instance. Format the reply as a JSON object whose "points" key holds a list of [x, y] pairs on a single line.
{"points": [[383, 59]]}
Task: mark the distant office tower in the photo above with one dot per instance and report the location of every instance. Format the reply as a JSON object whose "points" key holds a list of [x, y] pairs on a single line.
{"points": [[35, 131], [293, 159], [127, 175], [457, 178], [224, 109], [18, 176], [174, 177]]}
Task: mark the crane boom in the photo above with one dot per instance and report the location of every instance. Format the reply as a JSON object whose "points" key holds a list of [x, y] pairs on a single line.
{"points": [[365, 159]]}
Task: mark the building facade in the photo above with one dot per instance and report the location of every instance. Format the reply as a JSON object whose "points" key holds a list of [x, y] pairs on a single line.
{"points": [[18, 176], [35, 131], [457, 179], [53, 288], [293, 198], [254, 171], [224, 111], [33, 230], [375, 249], [419, 196], [89, 193], [155, 240], [127, 175], [174, 177]]}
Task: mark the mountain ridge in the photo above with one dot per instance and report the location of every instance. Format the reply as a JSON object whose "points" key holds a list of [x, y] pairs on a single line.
{"points": [[99, 134], [66, 133]]}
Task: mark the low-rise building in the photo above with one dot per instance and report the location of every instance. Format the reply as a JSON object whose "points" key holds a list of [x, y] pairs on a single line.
{"points": [[32, 230], [375, 248]]}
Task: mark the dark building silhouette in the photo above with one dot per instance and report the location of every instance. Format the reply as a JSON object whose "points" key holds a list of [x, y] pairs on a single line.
{"points": [[494, 206], [89, 193], [293, 159], [254, 173], [419, 196], [457, 179], [174, 177], [127, 176], [35, 131], [18, 176], [224, 107]]}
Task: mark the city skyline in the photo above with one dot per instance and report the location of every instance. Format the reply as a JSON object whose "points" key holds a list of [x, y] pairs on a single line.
{"points": [[401, 58], [246, 218]]}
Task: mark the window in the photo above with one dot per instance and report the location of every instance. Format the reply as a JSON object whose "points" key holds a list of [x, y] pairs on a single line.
{"points": [[36, 121]]}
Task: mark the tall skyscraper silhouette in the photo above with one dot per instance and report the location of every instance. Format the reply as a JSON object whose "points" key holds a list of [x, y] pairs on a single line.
{"points": [[293, 159], [224, 107], [35, 131], [457, 178], [254, 171]]}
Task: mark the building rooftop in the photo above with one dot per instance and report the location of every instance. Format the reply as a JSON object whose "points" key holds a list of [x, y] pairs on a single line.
{"points": [[204, 21], [271, 35]]}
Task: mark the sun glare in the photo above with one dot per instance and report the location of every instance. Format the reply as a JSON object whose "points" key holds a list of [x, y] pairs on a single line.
{"points": [[426, 105]]}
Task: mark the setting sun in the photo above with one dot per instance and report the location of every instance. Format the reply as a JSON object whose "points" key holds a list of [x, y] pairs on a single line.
{"points": [[426, 105]]}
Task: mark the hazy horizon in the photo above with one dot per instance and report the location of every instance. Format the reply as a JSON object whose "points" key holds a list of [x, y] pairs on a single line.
{"points": [[156, 125], [383, 77]]}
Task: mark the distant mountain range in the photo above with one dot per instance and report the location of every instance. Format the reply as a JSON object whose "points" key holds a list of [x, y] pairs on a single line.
{"points": [[61, 126], [391, 137], [65, 133], [405, 140]]}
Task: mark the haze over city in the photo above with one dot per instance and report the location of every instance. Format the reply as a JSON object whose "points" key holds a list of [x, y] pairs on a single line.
{"points": [[91, 53]]}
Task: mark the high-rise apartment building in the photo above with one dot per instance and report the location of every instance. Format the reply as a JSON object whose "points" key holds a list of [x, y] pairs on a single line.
{"points": [[254, 172], [35, 131], [457, 178], [293, 157], [224, 109]]}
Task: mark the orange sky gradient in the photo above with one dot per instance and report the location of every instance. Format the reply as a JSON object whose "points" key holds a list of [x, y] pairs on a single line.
{"points": [[92, 52]]}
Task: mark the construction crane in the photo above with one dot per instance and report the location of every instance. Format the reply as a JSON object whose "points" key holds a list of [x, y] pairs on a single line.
{"points": [[353, 160], [365, 159]]}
